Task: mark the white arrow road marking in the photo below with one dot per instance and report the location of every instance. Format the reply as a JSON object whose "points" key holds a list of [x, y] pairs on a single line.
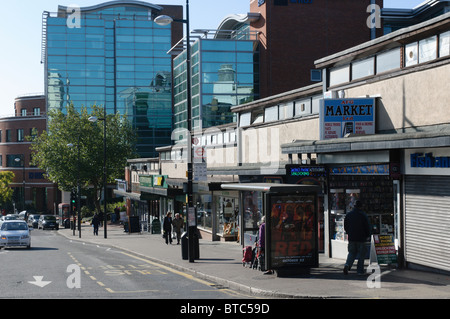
{"points": [[38, 281]]}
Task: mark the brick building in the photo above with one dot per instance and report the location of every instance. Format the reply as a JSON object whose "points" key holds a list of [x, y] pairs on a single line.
{"points": [[294, 33], [31, 190]]}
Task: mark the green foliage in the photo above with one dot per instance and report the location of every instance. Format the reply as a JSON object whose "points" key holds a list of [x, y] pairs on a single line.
{"points": [[6, 192], [72, 148]]}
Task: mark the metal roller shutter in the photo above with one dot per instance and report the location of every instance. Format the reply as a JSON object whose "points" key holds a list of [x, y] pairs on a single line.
{"points": [[427, 221]]}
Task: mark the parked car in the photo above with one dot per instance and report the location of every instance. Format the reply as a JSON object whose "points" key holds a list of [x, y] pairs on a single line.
{"points": [[14, 233], [33, 220], [48, 221]]}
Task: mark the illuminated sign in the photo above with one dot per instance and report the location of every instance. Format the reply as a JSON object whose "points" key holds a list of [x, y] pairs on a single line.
{"points": [[306, 171]]}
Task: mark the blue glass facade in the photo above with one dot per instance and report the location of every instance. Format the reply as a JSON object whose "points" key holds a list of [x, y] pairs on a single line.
{"points": [[225, 73], [116, 58]]}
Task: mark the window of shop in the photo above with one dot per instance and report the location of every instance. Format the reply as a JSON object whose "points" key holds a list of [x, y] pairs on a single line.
{"points": [[376, 195], [227, 209]]}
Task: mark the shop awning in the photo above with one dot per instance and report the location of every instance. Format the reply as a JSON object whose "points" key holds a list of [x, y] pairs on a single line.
{"points": [[440, 138], [272, 187]]}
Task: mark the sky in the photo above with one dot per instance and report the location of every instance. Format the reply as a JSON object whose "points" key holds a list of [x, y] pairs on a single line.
{"points": [[21, 26]]}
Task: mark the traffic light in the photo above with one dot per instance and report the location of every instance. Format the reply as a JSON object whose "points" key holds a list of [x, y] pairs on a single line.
{"points": [[73, 202]]}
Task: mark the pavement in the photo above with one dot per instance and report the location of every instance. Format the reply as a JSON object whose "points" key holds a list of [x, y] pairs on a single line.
{"points": [[221, 264]]}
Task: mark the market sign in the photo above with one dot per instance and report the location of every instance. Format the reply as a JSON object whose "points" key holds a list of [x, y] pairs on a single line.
{"points": [[339, 117]]}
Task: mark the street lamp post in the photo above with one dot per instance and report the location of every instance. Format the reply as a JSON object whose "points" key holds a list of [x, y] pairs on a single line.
{"points": [[95, 119], [166, 20]]}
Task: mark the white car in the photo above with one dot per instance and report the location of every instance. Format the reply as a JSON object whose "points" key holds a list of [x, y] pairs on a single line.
{"points": [[15, 233]]}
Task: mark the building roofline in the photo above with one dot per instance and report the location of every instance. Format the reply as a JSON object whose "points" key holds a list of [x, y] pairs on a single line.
{"points": [[382, 42], [407, 14], [114, 4], [232, 21]]}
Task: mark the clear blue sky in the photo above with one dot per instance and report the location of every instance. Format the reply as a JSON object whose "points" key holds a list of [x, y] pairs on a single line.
{"points": [[20, 32]]}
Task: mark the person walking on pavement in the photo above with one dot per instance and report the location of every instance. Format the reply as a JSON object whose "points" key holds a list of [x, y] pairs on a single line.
{"points": [[178, 225], [167, 227], [262, 246], [95, 224], [356, 225]]}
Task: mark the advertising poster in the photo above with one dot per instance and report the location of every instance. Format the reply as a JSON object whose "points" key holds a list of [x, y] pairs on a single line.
{"points": [[293, 231], [339, 117], [385, 251]]}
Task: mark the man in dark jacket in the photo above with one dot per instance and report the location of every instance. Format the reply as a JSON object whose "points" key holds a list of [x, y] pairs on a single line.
{"points": [[167, 227], [356, 225]]}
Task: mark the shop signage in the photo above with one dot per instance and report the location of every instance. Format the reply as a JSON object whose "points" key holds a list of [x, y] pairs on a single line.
{"points": [[146, 181], [339, 117], [160, 181], [383, 247], [306, 171], [428, 160], [381, 169]]}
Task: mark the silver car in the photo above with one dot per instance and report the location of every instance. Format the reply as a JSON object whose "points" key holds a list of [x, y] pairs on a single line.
{"points": [[15, 233]]}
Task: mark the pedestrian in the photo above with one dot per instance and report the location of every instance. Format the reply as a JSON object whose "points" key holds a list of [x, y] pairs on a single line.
{"points": [[262, 246], [167, 227], [95, 224], [356, 225], [178, 225]]}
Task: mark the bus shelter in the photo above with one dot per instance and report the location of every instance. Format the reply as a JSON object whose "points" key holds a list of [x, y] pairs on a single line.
{"points": [[291, 217]]}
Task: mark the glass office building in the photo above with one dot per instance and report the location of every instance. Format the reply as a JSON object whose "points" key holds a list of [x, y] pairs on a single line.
{"points": [[225, 73], [113, 55]]}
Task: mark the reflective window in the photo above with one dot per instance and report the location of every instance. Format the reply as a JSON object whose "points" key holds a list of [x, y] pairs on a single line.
{"points": [[388, 60], [363, 68], [84, 65], [444, 44], [428, 49]]}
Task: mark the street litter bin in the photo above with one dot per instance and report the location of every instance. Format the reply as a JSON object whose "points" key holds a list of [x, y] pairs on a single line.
{"points": [[184, 246]]}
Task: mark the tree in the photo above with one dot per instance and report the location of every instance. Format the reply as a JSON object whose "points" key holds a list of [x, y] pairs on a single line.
{"points": [[6, 192], [72, 148]]}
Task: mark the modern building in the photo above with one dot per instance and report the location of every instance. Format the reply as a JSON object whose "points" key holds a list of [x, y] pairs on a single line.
{"points": [[32, 191], [225, 73], [395, 19], [114, 55]]}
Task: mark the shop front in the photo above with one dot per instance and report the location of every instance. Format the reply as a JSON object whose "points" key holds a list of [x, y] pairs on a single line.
{"points": [[161, 197], [373, 186], [227, 215], [427, 202]]}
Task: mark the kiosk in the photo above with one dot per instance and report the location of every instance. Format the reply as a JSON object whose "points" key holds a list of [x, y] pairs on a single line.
{"points": [[291, 234]]}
